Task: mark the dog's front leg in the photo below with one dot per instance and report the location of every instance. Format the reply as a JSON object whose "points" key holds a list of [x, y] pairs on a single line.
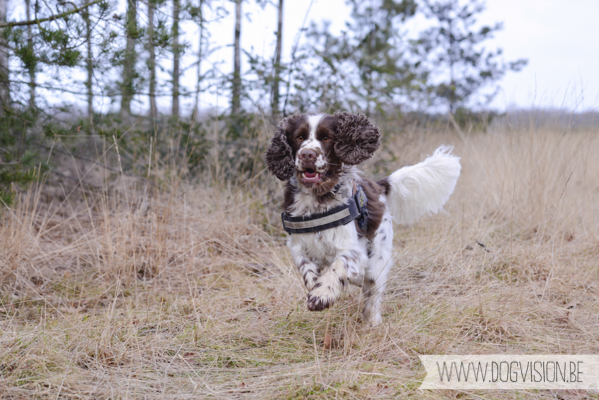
{"points": [[307, 269], [331, 283]]}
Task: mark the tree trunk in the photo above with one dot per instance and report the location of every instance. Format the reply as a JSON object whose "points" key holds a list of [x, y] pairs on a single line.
{"points": [[176, 55], [4, 73], [31, 66], [127, 88], [196, 107], [275, 92], [453, 55], [370, 53], [152, 60], [90, 70], [236, 92]]}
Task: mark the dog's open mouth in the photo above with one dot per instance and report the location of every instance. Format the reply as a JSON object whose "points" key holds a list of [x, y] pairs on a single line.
{"points": [[311, 176]]}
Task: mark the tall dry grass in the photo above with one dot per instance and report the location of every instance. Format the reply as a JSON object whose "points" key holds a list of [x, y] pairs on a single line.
{"points": [[189, 292]]}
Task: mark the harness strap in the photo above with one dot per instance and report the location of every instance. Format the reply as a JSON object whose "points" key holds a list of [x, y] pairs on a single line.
{"points": [[355, 207], [337, 216]]}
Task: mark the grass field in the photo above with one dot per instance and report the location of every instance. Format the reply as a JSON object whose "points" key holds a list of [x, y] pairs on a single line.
{"points": [[189, 292]]}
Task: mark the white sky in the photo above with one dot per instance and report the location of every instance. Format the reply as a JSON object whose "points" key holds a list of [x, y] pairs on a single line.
{"points": [[560, 39]]}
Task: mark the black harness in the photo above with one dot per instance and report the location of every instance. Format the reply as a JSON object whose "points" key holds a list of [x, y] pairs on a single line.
{"points": [[355, 208]]}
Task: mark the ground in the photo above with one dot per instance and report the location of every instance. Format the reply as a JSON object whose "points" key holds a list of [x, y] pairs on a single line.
{"points": [[188, 291]]}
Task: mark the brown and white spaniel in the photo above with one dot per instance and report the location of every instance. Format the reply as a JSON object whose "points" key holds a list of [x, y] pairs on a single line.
{"points": [[317, 154]]}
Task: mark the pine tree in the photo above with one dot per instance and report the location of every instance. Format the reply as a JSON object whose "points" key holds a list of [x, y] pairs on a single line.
{"points": [[176, 58], [277, 63], [461, 68], [151, 62], [89, 67], [51, 37], [31, 67], [236, 81], [4, 72], [377, 49], [129, 59], [197, 14], [364, 68], [98, 40]]}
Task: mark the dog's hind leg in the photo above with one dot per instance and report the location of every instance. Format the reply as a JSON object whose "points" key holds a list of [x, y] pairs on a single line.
{"points": [[375, 277]]}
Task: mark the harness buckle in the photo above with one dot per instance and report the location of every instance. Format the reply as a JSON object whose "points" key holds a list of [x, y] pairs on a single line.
{"points": [[362, 203]]}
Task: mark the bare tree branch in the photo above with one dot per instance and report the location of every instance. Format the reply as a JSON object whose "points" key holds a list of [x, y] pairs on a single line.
{"points": [[52, 18]]}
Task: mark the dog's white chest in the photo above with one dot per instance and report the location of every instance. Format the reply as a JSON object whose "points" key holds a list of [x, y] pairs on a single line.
{"points": [[323, 246]]}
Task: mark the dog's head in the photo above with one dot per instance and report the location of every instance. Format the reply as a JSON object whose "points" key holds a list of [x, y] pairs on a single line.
{"points": [[314, 147]]}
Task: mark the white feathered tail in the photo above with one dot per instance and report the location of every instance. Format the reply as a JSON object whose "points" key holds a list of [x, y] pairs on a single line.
{"points": [[422, 189]]}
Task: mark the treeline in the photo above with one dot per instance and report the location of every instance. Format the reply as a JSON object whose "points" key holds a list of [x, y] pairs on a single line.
{"points": [[89, 51]]}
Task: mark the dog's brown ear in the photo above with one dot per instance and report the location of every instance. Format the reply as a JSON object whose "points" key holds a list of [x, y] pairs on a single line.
{"points": [[357, 138], [279, 156]]}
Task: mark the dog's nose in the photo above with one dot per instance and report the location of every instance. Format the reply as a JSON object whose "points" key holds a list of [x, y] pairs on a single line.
{"points": [[308, 155]]}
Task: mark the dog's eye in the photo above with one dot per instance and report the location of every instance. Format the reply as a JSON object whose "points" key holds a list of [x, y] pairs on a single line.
{"points": [[326, 138], [300, 137]]}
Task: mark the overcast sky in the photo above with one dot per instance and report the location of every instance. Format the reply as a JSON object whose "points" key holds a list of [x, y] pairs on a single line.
{"points": [[561, 41]]}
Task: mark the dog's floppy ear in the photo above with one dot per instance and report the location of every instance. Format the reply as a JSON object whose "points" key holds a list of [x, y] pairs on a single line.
{"points": [[357, 138], [279, 156]]}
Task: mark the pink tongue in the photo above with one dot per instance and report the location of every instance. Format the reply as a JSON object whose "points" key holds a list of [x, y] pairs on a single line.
{"points": [[311, 174]]}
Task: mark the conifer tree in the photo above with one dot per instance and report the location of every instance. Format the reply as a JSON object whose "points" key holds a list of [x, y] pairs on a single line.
{"points": [[236, 81], [151, 61], [365, 68], [454, 53], [129, 58], [176, 58], [32, 65], [4, 52], [277, 62]]}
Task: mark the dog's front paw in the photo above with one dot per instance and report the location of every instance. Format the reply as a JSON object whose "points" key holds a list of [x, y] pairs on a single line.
{"points": [[325, 292], [320, 299]]}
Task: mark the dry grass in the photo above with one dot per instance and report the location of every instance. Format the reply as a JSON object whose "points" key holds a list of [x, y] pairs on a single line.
{"points": [[190, 292]]}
